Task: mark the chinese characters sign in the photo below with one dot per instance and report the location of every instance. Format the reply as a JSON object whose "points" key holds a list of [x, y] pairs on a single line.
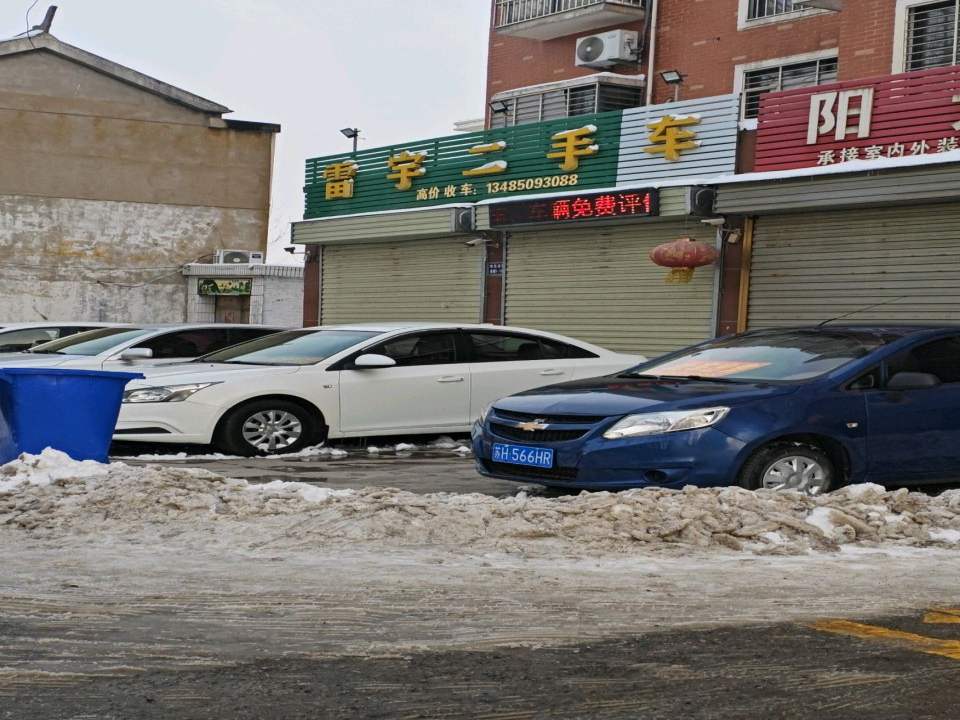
{"points": [[595, 206], [907, 115], [692, 138]]}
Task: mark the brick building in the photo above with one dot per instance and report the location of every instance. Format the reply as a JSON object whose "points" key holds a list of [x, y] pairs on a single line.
{"points": [[720, 46]]}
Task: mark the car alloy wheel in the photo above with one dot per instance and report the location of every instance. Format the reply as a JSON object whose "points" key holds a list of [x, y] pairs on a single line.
{"points": [[272, 430], [796, 472]]}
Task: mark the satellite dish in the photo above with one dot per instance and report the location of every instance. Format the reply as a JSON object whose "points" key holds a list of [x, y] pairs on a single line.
{"points": [[590, 49]]}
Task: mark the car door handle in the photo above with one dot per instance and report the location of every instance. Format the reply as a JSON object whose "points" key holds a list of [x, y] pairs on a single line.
{"points": [[450, 379], [551, 372]]}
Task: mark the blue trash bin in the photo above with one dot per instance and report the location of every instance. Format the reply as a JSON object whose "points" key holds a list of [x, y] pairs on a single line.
{"points": [[74, 411]]}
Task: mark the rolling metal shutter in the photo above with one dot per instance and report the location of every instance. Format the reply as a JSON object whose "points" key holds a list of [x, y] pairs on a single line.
{"points": [[808, 268], [418, 280], [598, 285]]}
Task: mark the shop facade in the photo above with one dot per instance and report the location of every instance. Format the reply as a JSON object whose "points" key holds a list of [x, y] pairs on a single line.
{"points": [[854, 210], [546, 225]]}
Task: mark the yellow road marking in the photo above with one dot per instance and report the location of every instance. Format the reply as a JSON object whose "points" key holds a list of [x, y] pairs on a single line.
{"points": [[942, 616], [912, 641]]}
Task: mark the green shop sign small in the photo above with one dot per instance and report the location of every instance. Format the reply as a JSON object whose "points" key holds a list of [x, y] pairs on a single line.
{"points": [[575, 152], [224, 286]]}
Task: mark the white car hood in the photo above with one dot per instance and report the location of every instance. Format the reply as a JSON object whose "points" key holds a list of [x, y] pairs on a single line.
{"points": [[190, 373], [36, 360]]}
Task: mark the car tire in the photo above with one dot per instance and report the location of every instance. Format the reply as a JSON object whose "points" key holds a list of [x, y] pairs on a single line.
{"points": [[291, 426], [802, 467]]}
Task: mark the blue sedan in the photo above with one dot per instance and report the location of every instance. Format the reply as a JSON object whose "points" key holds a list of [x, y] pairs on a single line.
{"points": [[807, 409]]}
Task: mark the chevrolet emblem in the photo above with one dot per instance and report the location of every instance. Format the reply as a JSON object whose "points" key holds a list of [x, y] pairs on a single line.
{"points": [[533, 426]]}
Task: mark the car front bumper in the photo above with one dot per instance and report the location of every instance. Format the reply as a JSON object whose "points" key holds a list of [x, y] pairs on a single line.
{"points": [[705, 457], [186, 422]]}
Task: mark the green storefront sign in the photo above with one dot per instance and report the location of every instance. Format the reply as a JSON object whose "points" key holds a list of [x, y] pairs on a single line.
{"points": [[224, 286], [576, 152]]}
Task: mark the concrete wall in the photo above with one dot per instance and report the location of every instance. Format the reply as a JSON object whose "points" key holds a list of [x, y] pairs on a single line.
{"points": [[105, 187], [283, 301]]}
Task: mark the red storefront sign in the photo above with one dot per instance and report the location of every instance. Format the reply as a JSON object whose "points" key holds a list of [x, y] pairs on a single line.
{"points": [[886, 118]]}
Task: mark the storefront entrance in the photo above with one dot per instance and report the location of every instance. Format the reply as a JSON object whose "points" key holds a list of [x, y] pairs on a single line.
{"points": [[807, 268]]}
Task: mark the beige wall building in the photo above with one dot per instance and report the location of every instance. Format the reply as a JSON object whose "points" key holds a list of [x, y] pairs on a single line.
{"points": [[112, 181]]}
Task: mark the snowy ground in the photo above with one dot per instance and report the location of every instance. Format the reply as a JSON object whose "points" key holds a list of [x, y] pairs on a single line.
{"points": [[111, 570]]}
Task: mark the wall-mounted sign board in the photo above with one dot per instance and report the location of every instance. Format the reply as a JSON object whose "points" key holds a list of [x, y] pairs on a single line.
{"points": [[576, 208], [224, 286], [885, 119], [694, 138]]}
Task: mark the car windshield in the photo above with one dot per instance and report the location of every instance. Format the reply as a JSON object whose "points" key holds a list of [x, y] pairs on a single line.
{"points": [[771, 356], [90, 343], [294, 347]]}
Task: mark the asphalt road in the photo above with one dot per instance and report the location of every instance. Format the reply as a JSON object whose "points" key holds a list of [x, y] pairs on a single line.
{"points": [[420, 471], [779, 671]]}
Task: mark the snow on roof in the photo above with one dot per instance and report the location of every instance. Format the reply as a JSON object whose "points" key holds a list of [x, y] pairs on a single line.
{"points": [[853, 166]]}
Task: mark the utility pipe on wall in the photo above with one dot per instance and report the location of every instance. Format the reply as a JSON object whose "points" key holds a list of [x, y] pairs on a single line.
{"points": [[651, 55]]}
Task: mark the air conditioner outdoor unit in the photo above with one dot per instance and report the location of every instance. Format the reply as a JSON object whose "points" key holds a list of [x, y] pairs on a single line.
{"points": [[239, 257], [609, 48]]}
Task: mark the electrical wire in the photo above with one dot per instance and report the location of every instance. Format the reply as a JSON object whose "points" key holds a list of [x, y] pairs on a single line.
{"points": [[29, 10]]}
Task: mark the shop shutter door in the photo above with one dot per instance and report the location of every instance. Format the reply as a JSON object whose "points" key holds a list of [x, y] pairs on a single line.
{"points": [[599, 285], [402, 280], [808, 268]]}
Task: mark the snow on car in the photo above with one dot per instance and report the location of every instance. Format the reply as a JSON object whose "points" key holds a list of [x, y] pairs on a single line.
{"points": [[290, 390]]}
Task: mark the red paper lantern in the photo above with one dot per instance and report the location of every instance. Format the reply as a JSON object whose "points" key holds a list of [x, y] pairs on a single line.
{"points": [[683, 256]]}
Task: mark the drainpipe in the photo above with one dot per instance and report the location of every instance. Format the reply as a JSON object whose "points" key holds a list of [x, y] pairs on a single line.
{"points": [[651, 55]]}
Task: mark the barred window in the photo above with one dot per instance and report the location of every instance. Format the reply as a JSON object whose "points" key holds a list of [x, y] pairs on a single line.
{"points": [[932, 35], [757, 83], [759, 9], [566, 102]]}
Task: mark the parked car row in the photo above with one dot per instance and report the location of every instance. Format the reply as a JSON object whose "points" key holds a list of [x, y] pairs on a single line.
{"points": [[804, 409]]}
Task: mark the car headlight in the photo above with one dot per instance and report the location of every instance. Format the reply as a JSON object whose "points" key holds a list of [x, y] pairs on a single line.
{"points": [[170, 393], [484, 413], [665, 422]]}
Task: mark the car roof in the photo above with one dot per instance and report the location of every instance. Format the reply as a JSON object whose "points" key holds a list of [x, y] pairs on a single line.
{"points": [[394, 327], [59, 323]]}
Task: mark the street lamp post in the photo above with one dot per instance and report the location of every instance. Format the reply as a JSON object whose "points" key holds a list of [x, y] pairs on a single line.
{"points": [[352, 134]]}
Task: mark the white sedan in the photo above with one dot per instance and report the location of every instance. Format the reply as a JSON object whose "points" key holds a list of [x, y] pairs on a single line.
{"points": [[294, 389]]}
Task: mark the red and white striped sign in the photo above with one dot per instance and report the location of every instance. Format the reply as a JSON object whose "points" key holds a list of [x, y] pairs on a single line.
{"points": [[905, 115]]}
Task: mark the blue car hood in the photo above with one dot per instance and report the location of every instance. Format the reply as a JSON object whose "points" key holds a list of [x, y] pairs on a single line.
{"points": [[620, 395]]}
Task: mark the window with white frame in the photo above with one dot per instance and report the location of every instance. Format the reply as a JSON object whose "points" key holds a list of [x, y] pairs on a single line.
{"points": [[760, 81], [762, 9], [932, 31]]}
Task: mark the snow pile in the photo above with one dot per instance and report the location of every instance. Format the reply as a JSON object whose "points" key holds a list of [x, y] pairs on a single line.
{"points": [[322, 451], [53, 493]]}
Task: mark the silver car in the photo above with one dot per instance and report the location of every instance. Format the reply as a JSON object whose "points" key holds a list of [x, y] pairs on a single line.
{"points": [[123, 346]]}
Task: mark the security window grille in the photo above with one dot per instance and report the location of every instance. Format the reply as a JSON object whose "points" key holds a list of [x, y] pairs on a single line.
{"points": [[567, 102], [932, 35], [757, 83], [509, 12], [760, 9]]}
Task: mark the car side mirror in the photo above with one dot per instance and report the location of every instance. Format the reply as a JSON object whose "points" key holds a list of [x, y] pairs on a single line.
{"points": [[372, 361], [133, 354], [913, 381]]}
